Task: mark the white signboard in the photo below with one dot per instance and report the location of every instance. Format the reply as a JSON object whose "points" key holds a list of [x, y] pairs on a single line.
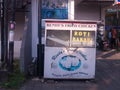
{"points": [[70, 50]]}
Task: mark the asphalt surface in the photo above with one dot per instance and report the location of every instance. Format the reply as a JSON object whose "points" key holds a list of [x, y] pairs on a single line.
{"points": [[107, 76]]}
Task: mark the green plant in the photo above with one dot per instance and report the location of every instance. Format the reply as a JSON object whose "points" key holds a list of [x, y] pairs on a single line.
{"points": [[15, 79]]}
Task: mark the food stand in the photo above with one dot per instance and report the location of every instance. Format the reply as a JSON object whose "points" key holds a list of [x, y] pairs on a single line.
{"points": [[70, 49]]}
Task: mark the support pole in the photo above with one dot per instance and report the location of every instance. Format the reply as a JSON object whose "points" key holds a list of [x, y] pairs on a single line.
{"points": [[4, 33], [40, 61], [117, 15], [11, 36], [2, 30]]}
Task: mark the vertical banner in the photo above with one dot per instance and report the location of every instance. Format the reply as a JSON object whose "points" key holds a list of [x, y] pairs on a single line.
{"points": [[70, 49]]}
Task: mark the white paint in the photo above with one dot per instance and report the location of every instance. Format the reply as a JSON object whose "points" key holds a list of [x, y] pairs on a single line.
{"points": [[69, 62], [11, 36], [52, 68], [71, 9], [17, 46]]}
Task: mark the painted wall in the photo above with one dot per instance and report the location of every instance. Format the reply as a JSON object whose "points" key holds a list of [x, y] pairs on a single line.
{"points": [[20, 22], [87, 12], [19, 29]]}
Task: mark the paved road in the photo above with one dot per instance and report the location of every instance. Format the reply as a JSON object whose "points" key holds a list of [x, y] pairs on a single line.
{"points": [[107, 77]]}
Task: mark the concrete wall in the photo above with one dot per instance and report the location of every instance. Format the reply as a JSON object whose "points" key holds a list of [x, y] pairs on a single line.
{"points": [[17, 46], [20, 23], [26, 44], [19, 29], [87, 12]]}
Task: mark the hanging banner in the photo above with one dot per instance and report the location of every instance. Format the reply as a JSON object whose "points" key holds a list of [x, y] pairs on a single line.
{"points": [[116, 2], [70, 49], [54, 9]]}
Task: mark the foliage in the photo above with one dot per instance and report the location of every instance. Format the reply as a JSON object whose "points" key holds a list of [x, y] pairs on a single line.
{"points": [[15, 79]]}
